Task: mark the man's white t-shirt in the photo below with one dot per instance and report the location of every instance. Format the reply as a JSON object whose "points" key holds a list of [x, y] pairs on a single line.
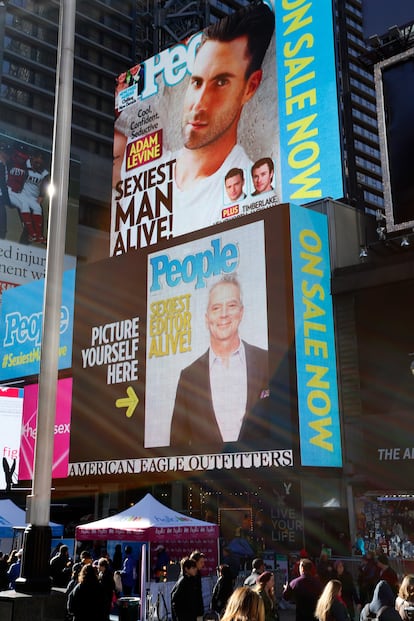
{"points": [[228, 382], [202, 205]]}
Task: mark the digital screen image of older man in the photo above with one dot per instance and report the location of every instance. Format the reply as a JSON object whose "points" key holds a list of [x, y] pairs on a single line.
{"points": [[220, 397]]}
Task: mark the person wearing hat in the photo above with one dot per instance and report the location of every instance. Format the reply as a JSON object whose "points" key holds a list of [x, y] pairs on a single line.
{"points": [[295, 570], [14, 570], [265, 587], [382, 605], [387, 573]]}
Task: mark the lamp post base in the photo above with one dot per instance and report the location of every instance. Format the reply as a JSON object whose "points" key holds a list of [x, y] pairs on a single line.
{"points": [[35, 569]]}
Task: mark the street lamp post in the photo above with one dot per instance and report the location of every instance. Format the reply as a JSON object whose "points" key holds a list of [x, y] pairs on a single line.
{"points": [[35, 576]]}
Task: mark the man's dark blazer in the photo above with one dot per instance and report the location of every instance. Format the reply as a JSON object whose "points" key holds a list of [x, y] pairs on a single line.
{"points": [[194, 428]]}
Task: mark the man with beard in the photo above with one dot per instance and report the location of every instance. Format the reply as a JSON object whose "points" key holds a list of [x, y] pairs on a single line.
{"points": [[226, 75]]}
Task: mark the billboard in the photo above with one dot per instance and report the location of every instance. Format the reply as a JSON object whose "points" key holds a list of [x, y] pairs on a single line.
{"points": [[21, 328], [24, 207], [184, 355], [318, 406], [385, 352], [11, 405], [61, 430], [394, 81], [239, 118]]}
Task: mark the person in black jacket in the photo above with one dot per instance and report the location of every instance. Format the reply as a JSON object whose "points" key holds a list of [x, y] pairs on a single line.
{"points": [[184, 595], [222, 589], [106, 580], [87, 602], [349, 592], [61, 567]]}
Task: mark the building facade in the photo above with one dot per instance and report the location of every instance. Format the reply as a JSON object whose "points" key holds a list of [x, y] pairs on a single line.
{"points": [[111, 36]]}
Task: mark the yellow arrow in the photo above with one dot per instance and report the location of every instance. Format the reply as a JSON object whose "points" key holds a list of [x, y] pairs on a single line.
{"points": [[130, 402]]}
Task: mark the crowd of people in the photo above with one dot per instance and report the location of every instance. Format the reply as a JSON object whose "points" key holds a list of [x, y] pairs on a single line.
{"points": [[323, 590], [9, 569], [326, 590]]}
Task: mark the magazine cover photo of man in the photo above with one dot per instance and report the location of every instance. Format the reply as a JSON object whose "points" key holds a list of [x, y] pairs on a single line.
{"points": [[226, 75]]}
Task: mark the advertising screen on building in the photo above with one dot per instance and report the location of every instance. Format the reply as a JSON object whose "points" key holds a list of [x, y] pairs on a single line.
{"points": [[21, 328], [317, 384], [146, 324], [385, 348], [24, 207], [394, 80], [184, 356], [61, 430], [239, 118], [11, 405]]}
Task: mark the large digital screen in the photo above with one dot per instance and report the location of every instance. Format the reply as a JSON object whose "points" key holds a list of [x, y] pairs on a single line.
{"points": [[61, 430], [189, 357], [317, 384], [183, 357], [394, 81], [24, 209], [383, 317], [21, 328], [238, 118]]}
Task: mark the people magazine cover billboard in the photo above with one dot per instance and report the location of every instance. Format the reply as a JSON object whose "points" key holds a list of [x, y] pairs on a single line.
{"points": [[184, 355], [21, 325], [24, 209], [240, 117]]}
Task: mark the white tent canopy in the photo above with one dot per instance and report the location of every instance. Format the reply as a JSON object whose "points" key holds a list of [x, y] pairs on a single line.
{"points": [[147, 520], [151, 522], [12, 517]]}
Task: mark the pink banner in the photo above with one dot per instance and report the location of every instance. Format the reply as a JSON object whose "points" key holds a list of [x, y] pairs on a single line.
{"points": [[62, 430]]}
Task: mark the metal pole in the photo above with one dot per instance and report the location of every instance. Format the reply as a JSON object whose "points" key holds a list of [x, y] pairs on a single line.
{"points": [[143, 609], [36, 548]]}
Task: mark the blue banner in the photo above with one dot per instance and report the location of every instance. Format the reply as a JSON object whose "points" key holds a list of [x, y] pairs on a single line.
{"points": [[310, 154], [21, 328], [319, 425]]}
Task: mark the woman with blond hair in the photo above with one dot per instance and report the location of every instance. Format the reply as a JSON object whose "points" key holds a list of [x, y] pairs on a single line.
{"points": [[330, 606], [405, 598], [244, 605]]}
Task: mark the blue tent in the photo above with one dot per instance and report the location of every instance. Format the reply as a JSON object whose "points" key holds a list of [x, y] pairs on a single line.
{"points": [[12, 517]]}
